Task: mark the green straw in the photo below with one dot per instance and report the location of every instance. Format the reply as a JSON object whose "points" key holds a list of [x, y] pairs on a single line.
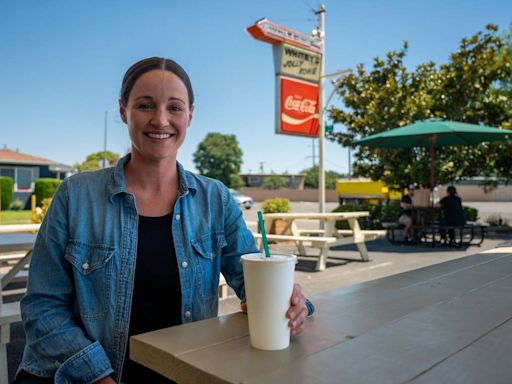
{"points": [[263, 234]]}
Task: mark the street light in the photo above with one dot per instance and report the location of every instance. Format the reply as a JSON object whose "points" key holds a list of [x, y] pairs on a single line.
{"points": [[105, 141]]}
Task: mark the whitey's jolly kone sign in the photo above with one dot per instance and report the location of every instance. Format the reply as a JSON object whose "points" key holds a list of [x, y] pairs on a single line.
{"points": [[297, 61]]}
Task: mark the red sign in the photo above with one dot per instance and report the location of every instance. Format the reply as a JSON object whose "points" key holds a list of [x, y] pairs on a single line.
{"points": [[297, 107]]}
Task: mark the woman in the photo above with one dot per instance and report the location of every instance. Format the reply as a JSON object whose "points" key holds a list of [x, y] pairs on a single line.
{"points": [[133, 248]]}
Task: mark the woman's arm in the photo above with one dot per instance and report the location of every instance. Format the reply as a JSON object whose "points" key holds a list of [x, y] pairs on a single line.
{"points": [[55, 343]]}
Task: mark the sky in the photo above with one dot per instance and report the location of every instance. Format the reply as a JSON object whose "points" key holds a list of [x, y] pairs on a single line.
{"points": [[62, 62]]}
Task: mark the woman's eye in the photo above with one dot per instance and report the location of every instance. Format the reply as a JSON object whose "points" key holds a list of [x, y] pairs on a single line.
{"points": [[144, 106], [175, 108]]}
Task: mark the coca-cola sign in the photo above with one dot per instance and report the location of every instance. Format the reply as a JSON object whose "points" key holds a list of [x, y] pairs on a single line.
{"points": [[297, 110]]}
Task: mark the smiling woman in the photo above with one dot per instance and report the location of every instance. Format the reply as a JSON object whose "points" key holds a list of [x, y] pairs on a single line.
{"points": [[133, 248]]}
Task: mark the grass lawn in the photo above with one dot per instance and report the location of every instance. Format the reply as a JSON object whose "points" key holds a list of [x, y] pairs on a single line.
{"points": [[15, 217]]}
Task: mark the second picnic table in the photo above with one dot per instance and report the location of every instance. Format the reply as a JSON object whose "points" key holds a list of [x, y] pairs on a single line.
{"points": [[324, 238]]}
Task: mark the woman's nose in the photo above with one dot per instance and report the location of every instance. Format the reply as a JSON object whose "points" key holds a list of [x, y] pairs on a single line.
{"points": [[159, 117]]}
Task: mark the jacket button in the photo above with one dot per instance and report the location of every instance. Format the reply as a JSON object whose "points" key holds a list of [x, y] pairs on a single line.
{"points": [[85, 265], [178, 217], [188, 314], [184, 264]]}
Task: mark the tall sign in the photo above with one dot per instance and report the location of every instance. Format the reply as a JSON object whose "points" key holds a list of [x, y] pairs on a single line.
{"points": [[297, 62]]}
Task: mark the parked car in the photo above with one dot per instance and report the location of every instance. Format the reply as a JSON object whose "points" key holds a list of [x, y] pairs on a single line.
{"points": [[241, 199]]}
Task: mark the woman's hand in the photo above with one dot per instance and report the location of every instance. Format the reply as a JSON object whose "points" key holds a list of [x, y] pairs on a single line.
{"points": [[106, 380], [298, 311]]}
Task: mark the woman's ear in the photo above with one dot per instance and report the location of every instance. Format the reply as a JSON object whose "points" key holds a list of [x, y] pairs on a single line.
{"points": [[190, 113], [122, 111]]}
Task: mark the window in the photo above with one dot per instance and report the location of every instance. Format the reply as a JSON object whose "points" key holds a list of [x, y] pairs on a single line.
{"points": [[23, 177]]}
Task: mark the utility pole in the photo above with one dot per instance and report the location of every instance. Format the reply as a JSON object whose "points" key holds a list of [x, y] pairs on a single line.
{"points": [[321, 130], [105, 141]]}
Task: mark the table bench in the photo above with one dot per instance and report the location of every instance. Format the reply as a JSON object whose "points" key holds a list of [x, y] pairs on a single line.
{"points": [[462, 234], [9, 313]]}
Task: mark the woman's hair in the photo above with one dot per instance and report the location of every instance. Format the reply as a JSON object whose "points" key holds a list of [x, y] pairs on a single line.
{"points": [[451, 190], [151, 64]]}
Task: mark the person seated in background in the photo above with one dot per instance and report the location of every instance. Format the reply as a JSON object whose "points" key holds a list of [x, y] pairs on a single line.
{"points": [[453, 213], [405, 213]]}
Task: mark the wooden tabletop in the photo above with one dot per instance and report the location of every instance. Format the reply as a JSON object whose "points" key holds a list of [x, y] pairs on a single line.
{"points": [[317, 216], [446, 323]]}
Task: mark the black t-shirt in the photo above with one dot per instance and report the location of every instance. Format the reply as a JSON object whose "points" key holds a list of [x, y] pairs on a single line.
{"points": [[453, 211], [156, 301]]}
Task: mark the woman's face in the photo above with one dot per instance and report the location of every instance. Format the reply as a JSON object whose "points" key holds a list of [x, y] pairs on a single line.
{"points": [[157, 115]]}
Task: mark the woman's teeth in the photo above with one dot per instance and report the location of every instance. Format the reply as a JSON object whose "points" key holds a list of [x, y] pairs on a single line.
{"points": [[159, 135]]}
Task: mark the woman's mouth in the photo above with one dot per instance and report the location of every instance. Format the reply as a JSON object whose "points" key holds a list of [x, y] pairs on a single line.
{"points": [[158, 136]]}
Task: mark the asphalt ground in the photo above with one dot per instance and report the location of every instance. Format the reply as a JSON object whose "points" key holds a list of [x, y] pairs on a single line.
{"points": [[343, 265]]}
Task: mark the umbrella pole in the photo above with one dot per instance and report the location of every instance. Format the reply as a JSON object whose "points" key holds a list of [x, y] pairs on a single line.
{"points": [[432, 167]]}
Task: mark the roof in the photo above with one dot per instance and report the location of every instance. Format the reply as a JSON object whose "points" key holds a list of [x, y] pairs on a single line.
{"points": [[8, 156]]}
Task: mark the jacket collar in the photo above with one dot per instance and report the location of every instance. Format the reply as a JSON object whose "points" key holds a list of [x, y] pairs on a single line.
{"points": [[117, 183]]}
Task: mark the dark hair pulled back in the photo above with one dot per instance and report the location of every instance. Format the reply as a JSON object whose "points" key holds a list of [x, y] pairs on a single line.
{"points": [[150, 64]]}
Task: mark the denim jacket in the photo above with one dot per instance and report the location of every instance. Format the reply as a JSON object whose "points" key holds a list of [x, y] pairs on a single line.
{"points": [[77, 307]]}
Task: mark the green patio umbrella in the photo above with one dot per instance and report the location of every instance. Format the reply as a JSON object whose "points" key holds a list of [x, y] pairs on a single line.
{"points": [[434, 133]]}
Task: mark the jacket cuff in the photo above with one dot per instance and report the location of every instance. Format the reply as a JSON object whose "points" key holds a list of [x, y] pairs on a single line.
{"points": [[87, 366], [310, 307]]}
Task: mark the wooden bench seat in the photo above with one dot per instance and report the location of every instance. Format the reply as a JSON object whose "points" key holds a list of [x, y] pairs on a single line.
{"points": [[9, 313], [368, 234]]}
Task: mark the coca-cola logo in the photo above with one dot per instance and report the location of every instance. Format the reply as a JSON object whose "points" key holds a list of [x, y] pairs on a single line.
{"points": [[304, 106]]}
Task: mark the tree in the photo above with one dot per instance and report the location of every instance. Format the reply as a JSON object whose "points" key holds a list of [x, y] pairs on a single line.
{"points": [[273, 182], [464, 89], [219, 156], [311, 179], [94, 161]]}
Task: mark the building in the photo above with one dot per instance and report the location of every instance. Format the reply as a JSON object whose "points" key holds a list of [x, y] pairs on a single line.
{"points": [[255, 180], [24, 169]]}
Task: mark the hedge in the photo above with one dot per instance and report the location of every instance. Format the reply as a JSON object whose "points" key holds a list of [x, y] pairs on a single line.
{"points": [[7, 191], [45, 188]]}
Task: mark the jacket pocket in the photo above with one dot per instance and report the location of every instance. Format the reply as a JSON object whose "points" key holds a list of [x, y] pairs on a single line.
{"points": [[92, 270], [208, 247]]}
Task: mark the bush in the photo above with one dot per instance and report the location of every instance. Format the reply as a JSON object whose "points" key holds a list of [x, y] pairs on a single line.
{"points": [[45, 188], [497, 221], [276, 205], [235, 181], [40, 212], [16, 205], [378, 213], [7, 191], [274, 182], [471, 214]]}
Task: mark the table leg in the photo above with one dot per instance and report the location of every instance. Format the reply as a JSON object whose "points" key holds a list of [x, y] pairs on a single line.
{"points": [[6, 279], [358, 238]]}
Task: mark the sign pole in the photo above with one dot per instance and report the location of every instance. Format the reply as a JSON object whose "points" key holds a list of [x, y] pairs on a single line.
{"points": [[321, 128]]}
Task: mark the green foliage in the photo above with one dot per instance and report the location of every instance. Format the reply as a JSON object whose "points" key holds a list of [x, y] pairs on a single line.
{"points": [[311, 179], [219, 156], [273, 182], [464, 89], [276, 205], [41, 211], [343, 224], [236, 181], [45, 188], [6, 191], [471, 214], [94, 161], [16, 205]]}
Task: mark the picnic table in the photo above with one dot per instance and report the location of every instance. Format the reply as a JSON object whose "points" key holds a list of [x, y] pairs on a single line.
{"points": [[446, 323], [323, 239], [16, 243]]}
